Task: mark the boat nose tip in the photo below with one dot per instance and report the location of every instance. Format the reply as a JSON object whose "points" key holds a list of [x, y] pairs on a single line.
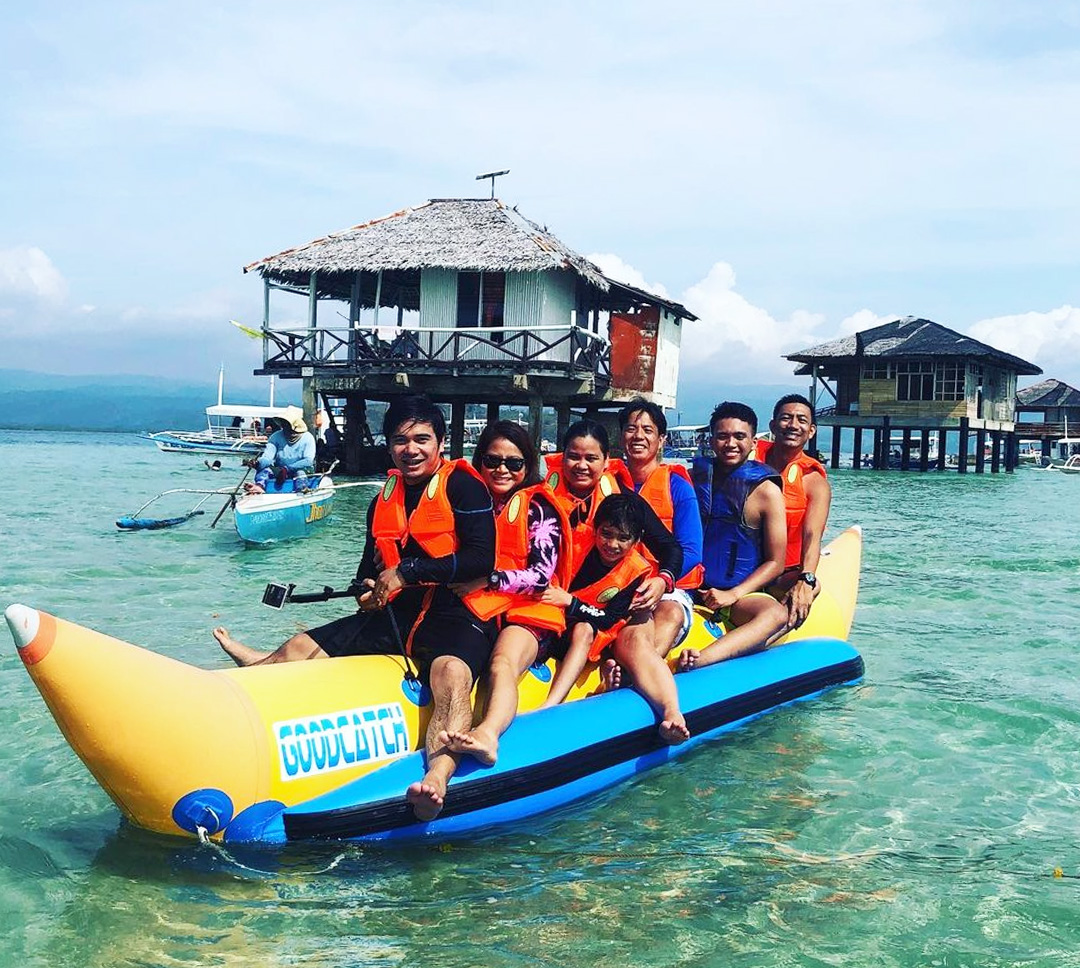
{"points": [[23, 622]]}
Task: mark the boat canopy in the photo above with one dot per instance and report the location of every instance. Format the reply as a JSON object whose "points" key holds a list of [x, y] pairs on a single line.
{"points": [[244, 410]]}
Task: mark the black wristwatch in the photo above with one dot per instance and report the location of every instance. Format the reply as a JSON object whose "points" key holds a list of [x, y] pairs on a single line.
{"points": [[810, 578], [493, 580]]}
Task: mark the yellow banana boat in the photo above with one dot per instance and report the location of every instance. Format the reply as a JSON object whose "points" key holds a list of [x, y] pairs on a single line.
{"points": [[254, 753]]}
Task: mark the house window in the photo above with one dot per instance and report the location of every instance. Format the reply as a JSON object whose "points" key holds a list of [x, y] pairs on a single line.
{"points": [[914, 381], [480, 299], [878, 371], [949, 382]]}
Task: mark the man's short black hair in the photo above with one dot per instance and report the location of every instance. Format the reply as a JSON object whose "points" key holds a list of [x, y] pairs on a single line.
{"points": [[622, 512], [794, 398], [734, 411], [410, 409], [641, 405]]}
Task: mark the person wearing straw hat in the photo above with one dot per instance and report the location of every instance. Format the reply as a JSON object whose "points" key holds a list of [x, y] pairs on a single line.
{"points": [[289, 453]]}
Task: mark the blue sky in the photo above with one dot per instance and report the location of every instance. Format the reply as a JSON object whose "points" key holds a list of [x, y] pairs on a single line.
{"points": [[791, 171]]}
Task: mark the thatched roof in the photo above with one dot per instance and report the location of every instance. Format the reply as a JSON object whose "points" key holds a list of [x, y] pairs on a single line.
{"points": [[908, 339], [468, 234], [1048, 393]]}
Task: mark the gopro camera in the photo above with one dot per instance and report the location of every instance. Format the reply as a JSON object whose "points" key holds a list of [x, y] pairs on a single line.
{"points": [[276, 595]]}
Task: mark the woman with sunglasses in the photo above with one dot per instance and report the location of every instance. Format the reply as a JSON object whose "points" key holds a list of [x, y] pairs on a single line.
{"points": [[530, 536]]}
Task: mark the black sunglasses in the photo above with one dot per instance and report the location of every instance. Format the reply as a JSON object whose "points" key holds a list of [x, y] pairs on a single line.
{"points": [[513, 464]]}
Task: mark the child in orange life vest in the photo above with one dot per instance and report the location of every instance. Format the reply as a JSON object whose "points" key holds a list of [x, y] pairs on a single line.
{"points": [[598, 615]]}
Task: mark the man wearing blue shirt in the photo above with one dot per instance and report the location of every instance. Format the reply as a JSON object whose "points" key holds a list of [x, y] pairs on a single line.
{"points": [[289, 453]]}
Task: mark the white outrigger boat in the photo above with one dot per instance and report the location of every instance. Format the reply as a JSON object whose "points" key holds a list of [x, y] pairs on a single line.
{"points": [[231, 428]]}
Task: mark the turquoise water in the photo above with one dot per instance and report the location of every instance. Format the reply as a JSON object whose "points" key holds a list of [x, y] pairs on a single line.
{"points": [[914, 819]]}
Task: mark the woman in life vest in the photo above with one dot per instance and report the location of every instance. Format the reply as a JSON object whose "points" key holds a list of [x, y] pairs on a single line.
{"points": [[579, 479], [530, 534], [600, 615]]}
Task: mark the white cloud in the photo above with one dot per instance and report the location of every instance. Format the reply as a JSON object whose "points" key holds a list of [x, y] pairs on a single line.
{"points": [[27, 275], [735, 337], [1050, 340], [862, 320], [614, 268]]}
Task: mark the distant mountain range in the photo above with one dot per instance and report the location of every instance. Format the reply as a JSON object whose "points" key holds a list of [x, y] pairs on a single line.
{"points": [[45, 401]]}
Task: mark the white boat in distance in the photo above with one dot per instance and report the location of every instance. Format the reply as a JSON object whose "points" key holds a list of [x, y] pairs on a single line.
{"points": [[231, 428]]}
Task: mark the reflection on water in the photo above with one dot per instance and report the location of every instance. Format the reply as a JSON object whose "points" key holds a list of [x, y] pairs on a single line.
{"points": [[914, 819]]}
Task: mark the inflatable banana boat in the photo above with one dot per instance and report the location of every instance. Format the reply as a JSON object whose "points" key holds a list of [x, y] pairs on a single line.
{"points": [[326, 749]]}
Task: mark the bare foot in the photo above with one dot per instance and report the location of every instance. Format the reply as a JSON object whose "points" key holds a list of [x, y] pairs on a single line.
{"points": [[477, 742], [426, 800], [611, 675], [673, 731], [688, 659], [242, 655]]}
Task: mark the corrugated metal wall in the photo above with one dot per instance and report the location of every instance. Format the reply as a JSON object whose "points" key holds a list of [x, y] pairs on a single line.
{"points": [[524, 299]]}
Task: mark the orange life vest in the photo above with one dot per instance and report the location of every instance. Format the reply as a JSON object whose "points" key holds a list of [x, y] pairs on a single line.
{"points": [[599, 593], [795, 500], [431, 524], [657, 492], [581, 537], [512, 554]]}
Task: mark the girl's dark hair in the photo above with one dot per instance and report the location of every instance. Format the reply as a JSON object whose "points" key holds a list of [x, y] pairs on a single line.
{"points": [[587, 428], [410, 409], [621, 511], [516, 435]]}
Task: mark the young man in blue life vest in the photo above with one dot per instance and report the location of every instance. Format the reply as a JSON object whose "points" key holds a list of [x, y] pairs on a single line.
{"points": [[742, 507], [431, 524]]}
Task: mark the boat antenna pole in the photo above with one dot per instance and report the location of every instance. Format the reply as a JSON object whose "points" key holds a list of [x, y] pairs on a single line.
{"points": [[220, 383], [492, 175]]}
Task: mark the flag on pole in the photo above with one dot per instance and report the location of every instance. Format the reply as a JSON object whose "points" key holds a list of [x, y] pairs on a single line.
{"points": [[247, 330]]}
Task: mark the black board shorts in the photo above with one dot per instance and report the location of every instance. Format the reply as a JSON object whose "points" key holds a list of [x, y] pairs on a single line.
{"points": [[442, 630]]}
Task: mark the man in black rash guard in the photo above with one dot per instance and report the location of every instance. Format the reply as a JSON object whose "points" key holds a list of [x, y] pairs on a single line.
{"points": [[450, 644]]}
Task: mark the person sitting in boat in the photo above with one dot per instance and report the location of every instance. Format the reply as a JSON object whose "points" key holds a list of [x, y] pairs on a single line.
{"points": [[531, 540], [429, 526], [597, 620], [669, 492], [807, 496], [288, 455], [742, 507], [580, 478]]}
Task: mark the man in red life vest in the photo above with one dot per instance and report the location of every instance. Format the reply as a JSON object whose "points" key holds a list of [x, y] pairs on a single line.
{"points": [[432, 524], [807, 495]]}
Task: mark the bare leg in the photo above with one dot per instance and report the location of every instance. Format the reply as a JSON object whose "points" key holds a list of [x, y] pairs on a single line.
{"points": [[757, 621], [301, 646], [451, 682], [581, 639], [515, 651], [634, 650], [667, 622]]}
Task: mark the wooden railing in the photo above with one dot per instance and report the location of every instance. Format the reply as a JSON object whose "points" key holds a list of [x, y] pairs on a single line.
{"points": [[553, 348]]}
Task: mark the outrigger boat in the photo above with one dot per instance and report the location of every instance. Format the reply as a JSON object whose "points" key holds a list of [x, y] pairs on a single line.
{"points": [[326, 749], [239, 429], [278, 514]]}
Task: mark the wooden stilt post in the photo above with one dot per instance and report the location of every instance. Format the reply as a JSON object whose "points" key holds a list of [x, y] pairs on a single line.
{"points": [[856, 451], [924, 451], [905, 453], [835, 456], [995, 451], [354, 417], [942, 444], [457, 429], [492, 413], [980, 451], [536, 421], [962, 457], [562, 421]]}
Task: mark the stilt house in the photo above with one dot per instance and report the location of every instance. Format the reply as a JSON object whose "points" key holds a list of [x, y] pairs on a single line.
{"points": [[915, 377], [467, 301]]}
